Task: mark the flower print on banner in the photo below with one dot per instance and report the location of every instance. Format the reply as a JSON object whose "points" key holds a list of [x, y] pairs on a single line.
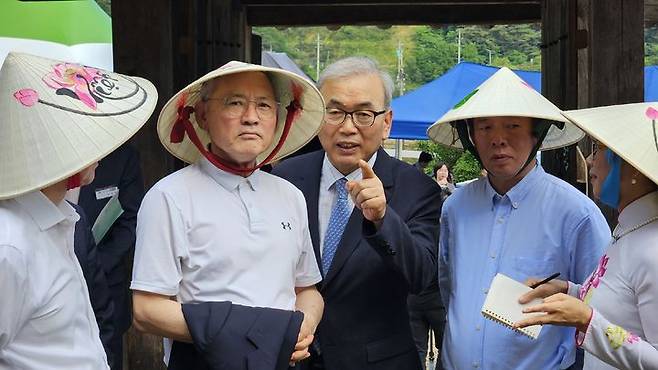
{"points": [[585, 293], [617, 336], [75, 81]]}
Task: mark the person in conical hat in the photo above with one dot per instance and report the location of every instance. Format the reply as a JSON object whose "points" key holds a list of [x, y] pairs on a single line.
{"points": [[59, 120], [518, 221], [221, 229], [614, 309]]}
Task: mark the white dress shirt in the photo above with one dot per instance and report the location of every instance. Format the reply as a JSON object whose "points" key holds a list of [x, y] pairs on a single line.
{"points": [[46, 319], [327, 196]]}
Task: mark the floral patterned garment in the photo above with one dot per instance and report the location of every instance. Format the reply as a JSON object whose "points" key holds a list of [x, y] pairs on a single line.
{"points": [[623, 292]]}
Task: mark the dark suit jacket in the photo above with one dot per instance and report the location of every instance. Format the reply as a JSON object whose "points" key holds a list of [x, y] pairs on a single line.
{"points": [[119, 169], [365, 323], [234, 337], [99, 293]]}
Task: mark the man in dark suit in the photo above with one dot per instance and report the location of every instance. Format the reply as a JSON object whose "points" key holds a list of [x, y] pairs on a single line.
{"points": [[99, 294], [120, 173], [374, 245]]}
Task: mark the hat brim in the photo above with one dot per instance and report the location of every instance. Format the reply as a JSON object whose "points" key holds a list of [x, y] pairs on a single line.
{"points": [[304, 128], [445, 134], [52, 133], [505, 94], [626, 129]]}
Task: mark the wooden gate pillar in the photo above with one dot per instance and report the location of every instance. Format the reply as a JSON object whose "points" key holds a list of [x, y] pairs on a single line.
{"points": [[171, 43]]}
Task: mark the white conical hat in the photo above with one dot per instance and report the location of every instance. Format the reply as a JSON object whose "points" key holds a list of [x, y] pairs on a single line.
{"points": [[504, 94], [305, 127], [628, 130], [61, 117]]}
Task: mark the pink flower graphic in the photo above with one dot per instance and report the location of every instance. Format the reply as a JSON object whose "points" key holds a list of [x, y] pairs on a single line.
{"points": [[651, 113], [27, 97], [527, 84], [595, 278], [69, 78], [632, 338]]}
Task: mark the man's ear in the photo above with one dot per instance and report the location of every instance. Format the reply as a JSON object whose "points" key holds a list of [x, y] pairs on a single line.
{"points": [[200, 114], [388, 121]]}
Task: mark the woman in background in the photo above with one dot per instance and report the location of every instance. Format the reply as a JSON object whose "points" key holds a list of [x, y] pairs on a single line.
{"points": [[443, 177]]}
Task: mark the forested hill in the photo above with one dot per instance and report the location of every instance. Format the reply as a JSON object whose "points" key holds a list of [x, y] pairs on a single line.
{"points": [[426, 52]]}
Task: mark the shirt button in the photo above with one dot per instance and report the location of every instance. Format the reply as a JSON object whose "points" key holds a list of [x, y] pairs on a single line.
{"points": [[477, 327], [485, 290], [493, 255], [515, 205], [501, 220], [476, 364]]}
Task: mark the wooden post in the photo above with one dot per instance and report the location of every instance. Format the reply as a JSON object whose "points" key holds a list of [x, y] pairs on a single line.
{"points": [[171, 43], [559, 76]]}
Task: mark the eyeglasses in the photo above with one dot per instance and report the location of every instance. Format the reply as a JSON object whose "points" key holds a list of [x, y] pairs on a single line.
{"points": [[236, 106], [360, 118]]}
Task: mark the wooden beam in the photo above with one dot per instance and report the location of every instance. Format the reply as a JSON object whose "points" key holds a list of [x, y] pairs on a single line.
{"points": [[249, 3], [340, 14], [650, 12]]}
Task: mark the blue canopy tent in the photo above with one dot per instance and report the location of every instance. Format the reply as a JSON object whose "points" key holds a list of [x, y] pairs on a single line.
{"points": [[414, 112]]}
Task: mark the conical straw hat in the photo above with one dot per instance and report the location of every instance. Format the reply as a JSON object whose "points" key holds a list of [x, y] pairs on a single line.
{"points": [[305, 127], [61, 117], [629, 130], [505, 94]]}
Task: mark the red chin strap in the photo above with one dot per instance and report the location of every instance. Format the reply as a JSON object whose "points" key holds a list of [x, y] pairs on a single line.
{"points": [[183, 126], [73, 182]]}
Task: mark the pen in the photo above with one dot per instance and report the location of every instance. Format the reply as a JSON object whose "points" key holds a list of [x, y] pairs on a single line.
{"points": [[533, 286]]}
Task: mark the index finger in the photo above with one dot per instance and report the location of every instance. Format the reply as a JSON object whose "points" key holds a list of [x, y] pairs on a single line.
{"points": [[366, 170], [527, 297]]}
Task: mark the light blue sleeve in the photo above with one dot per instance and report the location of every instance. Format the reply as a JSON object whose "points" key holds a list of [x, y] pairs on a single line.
{"points": [[589, 241]]}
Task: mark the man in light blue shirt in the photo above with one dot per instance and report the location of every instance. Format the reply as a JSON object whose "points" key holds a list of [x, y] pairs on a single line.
{"points": [[518, 221]]}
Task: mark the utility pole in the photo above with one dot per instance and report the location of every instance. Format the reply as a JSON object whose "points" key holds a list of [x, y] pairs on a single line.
{"points": [[489, 55], [317, 58], [400, 80], [459, 45]]}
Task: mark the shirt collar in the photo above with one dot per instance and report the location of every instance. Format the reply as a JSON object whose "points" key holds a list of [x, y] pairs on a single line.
{"points": [[640, 210], [330, 174], [519, 191], [228, 180], [45, 213]]}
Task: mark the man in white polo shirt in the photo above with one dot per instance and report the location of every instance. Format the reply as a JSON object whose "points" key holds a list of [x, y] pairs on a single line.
{"points": [[221, 229], [56, 127]]}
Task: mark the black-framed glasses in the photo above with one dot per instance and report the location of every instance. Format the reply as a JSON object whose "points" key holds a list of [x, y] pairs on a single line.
{"points": [[361, 117], [236, 106]]}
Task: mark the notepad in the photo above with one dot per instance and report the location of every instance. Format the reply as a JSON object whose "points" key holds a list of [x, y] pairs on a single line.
{"points": [[502, 304]]}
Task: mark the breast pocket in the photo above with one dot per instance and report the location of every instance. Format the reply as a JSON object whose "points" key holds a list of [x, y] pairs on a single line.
{"points": [[526, 267]]}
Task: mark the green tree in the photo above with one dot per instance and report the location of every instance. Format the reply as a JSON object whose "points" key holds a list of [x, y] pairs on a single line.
{"points": [[466, 167]]}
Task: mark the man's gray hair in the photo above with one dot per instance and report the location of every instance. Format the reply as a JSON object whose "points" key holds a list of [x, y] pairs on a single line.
{"points": [[358, 66]]}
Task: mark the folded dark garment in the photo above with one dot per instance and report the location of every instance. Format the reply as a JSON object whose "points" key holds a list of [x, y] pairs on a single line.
{"points": [[234, 337]]}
